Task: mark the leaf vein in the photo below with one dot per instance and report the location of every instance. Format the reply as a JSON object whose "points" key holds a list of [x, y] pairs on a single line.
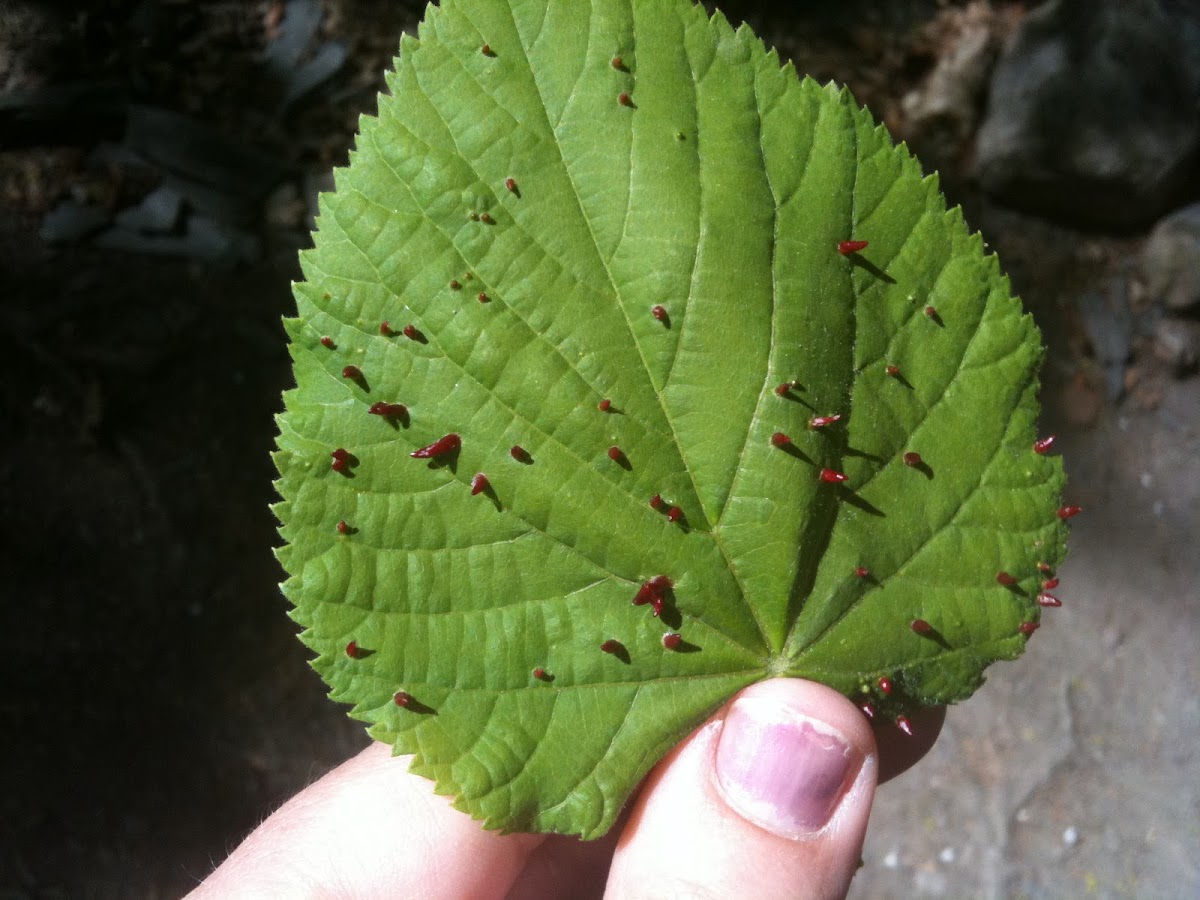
{"points": [[934, 532]]}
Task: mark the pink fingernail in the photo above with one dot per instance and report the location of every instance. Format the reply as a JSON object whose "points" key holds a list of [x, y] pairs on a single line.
{"points": [[783, 770]]}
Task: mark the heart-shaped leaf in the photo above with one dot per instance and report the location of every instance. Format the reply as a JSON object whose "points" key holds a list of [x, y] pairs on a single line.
{"points": [[605, 410]]}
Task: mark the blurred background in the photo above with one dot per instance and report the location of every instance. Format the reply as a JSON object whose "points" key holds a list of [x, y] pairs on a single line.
{"points": [[159, 162]]}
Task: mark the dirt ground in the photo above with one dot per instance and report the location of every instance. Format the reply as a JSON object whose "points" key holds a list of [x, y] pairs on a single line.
{"points": [[157, 703]]}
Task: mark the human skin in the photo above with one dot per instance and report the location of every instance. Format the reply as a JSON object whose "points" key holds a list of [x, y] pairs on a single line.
{"points": [[768, 799]]}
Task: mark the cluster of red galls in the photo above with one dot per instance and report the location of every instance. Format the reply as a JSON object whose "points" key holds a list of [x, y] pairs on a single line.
{"points": [[654, 591]]}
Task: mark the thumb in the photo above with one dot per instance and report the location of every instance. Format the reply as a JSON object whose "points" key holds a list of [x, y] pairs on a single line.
{"points": [[768, 799]]}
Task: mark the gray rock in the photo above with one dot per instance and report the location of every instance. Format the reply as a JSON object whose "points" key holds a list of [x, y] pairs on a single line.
{"points": [[202, 239], [1177, 343], [326, 62], [71, 221], [285, 208], [943, 113], [159, 211], [1171, 259], [111, 156], [1093, 114], [301, 19], [1109, 326], [215, 173]]}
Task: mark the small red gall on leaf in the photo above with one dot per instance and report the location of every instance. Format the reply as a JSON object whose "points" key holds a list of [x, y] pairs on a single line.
{"points": [[612, 646], [868, 710], [1045, 568], [341, 459], [931, 312], [832, 476], [784, 389], [519, 453], [903, 723], [539, 673], [652, 589], [486, 219], [402, 698], [412, 333], [1028, 628], [885, 685], [1005, 579], [920, 626], [484, 298], [339, 465], [671, 640], [388, 410], [1050, 600], [821, 421], [604, 405], [354, 373], [385, 328], [862, 572], [912, 459], [343, 527], [624, 99], [1044, 445], [352, 650], [1069, 512], [455, 284], [892, 371], [441, 447], [847, 247], [1049, 584], [779, 439], [656, 501], [487, 50], [659, 312], [511, 184], [479, 484], [674, 514], [327, 343], [618, 63], [615, 454]]}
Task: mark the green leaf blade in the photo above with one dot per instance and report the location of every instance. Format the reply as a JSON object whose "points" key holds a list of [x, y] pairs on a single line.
{"points": [[720, 191]]}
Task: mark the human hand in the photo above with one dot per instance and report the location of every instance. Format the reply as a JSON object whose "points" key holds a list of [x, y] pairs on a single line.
{"points": [[768, 799]]}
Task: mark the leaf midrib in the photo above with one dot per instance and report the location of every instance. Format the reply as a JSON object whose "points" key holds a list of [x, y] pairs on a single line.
{"points": [[595, 246]]}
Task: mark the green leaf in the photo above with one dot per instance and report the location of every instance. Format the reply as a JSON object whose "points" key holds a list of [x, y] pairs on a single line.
{"points": [[720, 191]]}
